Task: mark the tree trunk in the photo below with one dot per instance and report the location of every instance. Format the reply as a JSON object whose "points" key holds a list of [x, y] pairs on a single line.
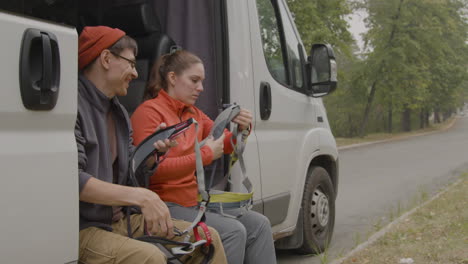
{"points": [[406, 120], [390, 119], [436, 116], [447, 114], [350, 131], [426, 118], [370, 99], [365, 119], [422, 123]]}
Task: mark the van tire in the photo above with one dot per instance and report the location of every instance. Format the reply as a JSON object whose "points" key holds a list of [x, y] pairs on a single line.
{"points": [[318, 205]]}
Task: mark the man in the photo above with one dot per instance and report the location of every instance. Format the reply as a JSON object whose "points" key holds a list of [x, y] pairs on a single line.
{"points": [[103, 136]]}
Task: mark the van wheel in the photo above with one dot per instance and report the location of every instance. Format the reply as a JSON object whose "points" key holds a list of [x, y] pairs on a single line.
{"points": [[318, 205]]}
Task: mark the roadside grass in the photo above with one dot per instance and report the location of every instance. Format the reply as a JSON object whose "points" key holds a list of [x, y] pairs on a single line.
{"points": [[436, 233], [386, 136], [324, 256]]}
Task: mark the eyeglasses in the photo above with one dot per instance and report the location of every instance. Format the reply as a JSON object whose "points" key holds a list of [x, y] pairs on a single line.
{"points": [[132, 62]]}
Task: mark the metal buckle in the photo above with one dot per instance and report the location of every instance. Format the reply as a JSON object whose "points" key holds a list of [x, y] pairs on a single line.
{"points": [[183, 251]]}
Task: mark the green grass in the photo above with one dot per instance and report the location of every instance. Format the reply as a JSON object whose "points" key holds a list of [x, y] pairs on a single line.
{"points": [[436, 233], [388, 136]]}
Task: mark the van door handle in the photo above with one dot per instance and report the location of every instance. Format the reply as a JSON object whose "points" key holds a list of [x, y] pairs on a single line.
{"points": [[39, 69], [265, 100], [46, 82]]}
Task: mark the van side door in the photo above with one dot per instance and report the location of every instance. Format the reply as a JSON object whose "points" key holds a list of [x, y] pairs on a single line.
{"points": [[38, 156], [285, 116], [241, 81]]}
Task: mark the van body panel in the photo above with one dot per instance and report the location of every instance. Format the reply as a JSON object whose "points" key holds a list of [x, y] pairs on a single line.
{"points": [[327, 144], [38, 156], [276, 207], [305, 157], [241, 78]]}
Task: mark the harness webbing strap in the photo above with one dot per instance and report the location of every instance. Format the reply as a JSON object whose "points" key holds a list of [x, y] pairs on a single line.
{"points": [[222, 120], [206, 231], [220, 124], [217, 130], [201, 187], [238, 156], [199, 166], [218, 197]]}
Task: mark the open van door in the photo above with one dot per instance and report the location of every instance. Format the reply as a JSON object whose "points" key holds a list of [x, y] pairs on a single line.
{"points": [[38, 156]]}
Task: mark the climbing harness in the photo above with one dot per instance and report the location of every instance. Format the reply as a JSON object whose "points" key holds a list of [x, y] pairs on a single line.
{"points": [[231, 191], [173, 250]]}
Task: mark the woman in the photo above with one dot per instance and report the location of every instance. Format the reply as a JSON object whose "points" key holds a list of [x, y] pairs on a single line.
{"points": [[174, 86]]}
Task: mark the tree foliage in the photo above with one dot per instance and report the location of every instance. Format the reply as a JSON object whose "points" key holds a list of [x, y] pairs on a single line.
{"points": [[415, 64], [418, 54], [323, 22]]}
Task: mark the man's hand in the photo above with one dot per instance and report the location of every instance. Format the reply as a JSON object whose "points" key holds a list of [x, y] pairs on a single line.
{"points": [[243, 119], [157, 216], [217, 146], [154, 210]]}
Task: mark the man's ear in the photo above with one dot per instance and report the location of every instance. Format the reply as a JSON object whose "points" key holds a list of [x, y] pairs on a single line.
{"points": [[171, 77], [104, 58]]}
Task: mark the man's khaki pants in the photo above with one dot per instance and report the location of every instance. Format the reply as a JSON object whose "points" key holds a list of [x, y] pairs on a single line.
{"points": [[100, 246]]}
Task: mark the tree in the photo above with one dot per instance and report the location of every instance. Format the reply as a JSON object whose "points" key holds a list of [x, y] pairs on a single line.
{"points": [[416, 60], [323, 22], [411, 46]]}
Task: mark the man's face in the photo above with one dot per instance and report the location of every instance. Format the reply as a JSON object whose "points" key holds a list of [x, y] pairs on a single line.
{"points": [[121, 71]]}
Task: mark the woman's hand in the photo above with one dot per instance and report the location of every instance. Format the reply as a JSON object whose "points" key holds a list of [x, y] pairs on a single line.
{"points": [[163, 146], [243, 119], [217, 146]]}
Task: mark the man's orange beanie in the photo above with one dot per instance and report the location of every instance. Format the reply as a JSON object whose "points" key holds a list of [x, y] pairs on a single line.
{"points": [[93, 40]]}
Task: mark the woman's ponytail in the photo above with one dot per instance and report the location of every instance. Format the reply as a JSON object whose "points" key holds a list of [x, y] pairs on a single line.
{"points": [[157, 79]]}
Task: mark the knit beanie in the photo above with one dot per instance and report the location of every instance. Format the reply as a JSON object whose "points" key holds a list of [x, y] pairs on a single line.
{"points": [[93, 40]]}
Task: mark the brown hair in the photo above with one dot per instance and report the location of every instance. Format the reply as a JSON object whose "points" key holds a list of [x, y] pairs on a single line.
{"points": [[124, 42], [176, 62]]}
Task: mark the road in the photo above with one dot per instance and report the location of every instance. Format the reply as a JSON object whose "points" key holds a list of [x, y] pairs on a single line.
{"points": [[377, 179]]}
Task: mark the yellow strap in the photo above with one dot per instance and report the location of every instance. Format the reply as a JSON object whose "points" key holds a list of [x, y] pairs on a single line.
{"points": [[229, 197]]}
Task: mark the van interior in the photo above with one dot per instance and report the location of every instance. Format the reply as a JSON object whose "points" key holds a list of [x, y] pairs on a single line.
{"points": [[159, 27]]}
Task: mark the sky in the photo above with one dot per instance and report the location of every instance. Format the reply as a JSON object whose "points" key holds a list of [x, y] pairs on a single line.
{"points": [[357, 26]]}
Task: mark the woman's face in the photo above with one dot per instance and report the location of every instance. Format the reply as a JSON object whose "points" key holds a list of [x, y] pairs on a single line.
{"points": [[187, 86]]}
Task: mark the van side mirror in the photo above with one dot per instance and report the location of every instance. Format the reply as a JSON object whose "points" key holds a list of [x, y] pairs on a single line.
{"points": [[321, 70]]}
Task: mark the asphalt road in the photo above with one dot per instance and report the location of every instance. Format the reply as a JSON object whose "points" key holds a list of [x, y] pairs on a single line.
{"points": [[377, 179]]}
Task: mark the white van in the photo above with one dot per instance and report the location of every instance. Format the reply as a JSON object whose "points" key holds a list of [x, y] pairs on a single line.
{"points": [[253, 56]]}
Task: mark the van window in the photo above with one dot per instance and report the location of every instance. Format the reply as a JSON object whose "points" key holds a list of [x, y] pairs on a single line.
{"points": [[292, 47], [59, 11], [273, 48]]}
